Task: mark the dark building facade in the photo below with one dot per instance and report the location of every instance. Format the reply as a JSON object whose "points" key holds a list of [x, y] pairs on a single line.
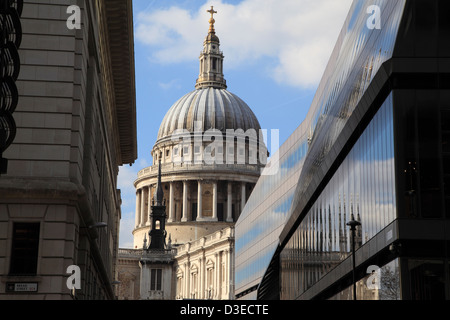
{"points": [[380, 153], [76, 125]]}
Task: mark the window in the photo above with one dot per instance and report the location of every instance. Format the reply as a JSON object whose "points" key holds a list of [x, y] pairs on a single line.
{"points": [[167, 152], [179, 286], [220, 150], [197, 149], [186, 150], [175, 151], [25, 246], [194, 279], [156, 280], [210, 283], [210, 277]]}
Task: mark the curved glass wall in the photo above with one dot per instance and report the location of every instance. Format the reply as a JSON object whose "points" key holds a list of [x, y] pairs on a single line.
{"points": [[258, 228], [356, 59], [364, 185], [358, 55]]}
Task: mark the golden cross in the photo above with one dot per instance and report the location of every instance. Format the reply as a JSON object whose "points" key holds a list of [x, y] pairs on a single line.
{"points": [[212, 12], [211, 21]]}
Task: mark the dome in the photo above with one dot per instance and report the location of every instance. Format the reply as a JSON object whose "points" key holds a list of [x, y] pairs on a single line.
{"points": [[214, 108], [212, 38], [205, 185]]}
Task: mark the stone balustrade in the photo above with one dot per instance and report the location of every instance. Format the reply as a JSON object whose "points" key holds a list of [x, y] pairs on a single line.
{"points": [[218, 236], [169, 168]]}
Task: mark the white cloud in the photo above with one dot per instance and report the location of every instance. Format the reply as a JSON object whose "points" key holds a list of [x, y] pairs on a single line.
{"points": [[298, 35], [126, 227], [125, 182], [126, 178], [175, 83]]}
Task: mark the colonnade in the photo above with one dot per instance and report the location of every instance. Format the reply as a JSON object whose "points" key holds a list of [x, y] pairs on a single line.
{"points": [[205, 277], [143, 211]]}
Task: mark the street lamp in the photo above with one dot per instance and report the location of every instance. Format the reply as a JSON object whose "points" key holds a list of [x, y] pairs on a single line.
{"points": [[92, 228], [98, 225], [353, 224]]}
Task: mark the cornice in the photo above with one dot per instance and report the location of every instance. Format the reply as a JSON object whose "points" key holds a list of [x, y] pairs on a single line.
{"points": [[119, 27]]}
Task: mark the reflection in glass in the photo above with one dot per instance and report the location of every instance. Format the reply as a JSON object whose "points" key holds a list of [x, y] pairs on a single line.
{"points": [[358, 56], [388, 287], [364, 186], [266, 212]]}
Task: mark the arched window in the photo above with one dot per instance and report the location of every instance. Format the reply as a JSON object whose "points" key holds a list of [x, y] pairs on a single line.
{"points": [[180, 281], [194, 282], [210, 279]]}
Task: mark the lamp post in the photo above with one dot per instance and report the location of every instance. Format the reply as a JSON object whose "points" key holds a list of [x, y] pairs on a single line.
{"points": [[98, 225], [353, 224]]}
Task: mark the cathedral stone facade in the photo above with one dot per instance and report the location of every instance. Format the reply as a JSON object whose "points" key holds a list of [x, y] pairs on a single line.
{"points": [[211, 155]]}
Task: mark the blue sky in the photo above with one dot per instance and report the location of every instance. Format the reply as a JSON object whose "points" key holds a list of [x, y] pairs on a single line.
{"points": [[275, 54]]}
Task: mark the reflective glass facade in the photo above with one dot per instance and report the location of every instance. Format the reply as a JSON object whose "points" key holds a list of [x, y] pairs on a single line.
{"points": [[378, 151], [363, 186], [259, 226], [359, 53], [357, 57], [385, 285], [382, 158]]}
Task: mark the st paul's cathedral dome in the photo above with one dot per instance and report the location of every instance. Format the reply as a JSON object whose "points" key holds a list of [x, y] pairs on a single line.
{"points": [[202, 197]]}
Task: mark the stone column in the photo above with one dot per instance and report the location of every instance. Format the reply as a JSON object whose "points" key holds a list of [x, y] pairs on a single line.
{"points": [[142, 208], [201, 290], [216, 276], [199, 202], [138, 208], [171, 204], [243, 196], [226, 274], [230, 202], [188, 282], [185, 200], [214, 201]]}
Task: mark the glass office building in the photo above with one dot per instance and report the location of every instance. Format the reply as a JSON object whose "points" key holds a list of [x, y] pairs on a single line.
{"points": [[378, 154], [258, 228]]}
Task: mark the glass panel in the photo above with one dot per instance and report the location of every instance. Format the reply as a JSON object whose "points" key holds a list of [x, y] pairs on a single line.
{"points": [[362, 188], [383, 284], [429, 154], [266, 211], [356, 60], [357, 57], [427, 279], [25, 247]]}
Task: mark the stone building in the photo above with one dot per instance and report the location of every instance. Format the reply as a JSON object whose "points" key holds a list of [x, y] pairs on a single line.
{"points": [[205, 267], [211, 156], [76, 124]]}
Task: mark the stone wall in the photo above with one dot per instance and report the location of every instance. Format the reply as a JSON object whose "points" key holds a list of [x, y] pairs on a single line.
{"points": [[63, 164]]}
